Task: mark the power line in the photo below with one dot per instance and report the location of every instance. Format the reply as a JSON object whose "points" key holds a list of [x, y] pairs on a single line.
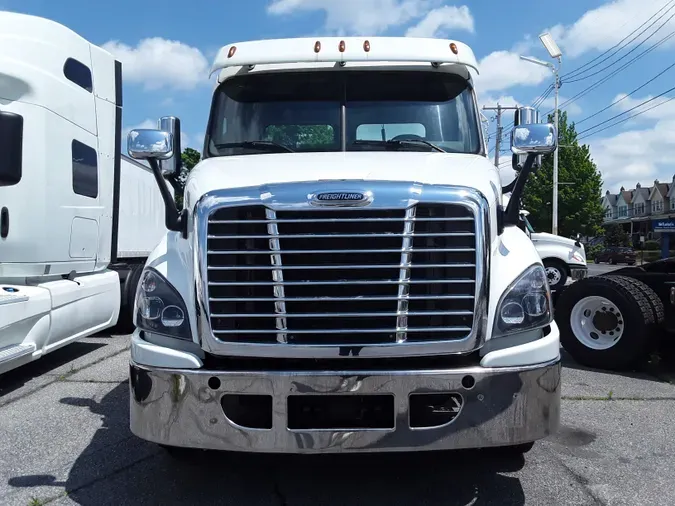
{"points": [[629, 94], [577, 78], [595, 85], [629, 117], [543, 96], [578, 70], [626, 111]]}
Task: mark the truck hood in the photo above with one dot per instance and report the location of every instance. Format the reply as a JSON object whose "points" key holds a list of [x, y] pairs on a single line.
{"points": [[217, 173], [557, 240]]}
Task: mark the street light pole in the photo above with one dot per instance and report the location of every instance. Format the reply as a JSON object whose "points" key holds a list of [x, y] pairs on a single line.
{"points": [[556, 73], [554, 52]]}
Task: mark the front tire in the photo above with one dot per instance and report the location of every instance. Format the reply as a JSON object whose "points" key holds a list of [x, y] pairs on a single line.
{"points": [[556, 272], [606, 322]]}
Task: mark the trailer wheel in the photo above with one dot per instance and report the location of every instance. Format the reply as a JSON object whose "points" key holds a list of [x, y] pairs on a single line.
{"points": [[605, 322], [556, 272], [125, 322]]}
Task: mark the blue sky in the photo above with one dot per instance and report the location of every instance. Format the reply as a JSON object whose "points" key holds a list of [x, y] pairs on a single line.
{"points": [[166, 50]]}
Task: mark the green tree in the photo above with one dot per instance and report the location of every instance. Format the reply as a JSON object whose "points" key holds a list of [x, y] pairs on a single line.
{"points": [[615, 235], [579, 203], [300, 135], [189, 158]]}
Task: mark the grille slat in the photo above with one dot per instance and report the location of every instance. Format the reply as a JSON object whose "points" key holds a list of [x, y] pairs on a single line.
{"points": [[341, 276]]}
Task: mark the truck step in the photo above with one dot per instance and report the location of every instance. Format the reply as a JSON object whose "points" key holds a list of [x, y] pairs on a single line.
{"points": [[17, 351]]}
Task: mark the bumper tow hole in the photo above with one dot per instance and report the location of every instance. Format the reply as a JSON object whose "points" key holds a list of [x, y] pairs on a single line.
{"points": [[434, 410], [251, 411]]}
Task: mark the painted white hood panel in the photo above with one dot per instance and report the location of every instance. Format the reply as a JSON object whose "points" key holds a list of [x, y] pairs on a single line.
{"points": [[427, 168]]}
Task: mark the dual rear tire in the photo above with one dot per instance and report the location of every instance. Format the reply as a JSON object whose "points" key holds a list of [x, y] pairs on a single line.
{"points": [[608, 322]]}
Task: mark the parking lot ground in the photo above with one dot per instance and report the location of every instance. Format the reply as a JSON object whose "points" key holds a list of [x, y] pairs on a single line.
{"points": [[65, 440], [599, 269]]}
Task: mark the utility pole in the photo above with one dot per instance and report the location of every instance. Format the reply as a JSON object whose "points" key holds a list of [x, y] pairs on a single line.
{"points": [[498, 141]]}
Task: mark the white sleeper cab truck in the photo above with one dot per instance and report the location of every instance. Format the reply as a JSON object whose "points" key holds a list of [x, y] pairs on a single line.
{"points": [[563, 258], [77, 219], [343, 276]]}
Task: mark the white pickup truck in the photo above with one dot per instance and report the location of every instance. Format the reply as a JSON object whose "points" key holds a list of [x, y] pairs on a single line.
{"points": [[563, 258]]}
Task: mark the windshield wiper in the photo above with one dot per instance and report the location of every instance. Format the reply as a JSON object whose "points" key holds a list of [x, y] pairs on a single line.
{"points": [[400, 142], [268, 145]]}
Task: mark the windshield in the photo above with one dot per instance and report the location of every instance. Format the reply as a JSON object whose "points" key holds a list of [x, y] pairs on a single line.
{"points": [[306, 112]]}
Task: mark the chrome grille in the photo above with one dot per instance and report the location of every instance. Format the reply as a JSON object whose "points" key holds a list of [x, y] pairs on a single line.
{"points": [[342, 277]]}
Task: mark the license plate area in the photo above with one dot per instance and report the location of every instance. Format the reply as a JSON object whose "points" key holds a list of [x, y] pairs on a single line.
{"points": [[335, 412]]}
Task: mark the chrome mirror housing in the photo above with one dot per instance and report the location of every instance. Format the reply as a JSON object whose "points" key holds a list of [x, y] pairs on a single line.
{"points": [[537, 138], [171, 166], [143, 144]]}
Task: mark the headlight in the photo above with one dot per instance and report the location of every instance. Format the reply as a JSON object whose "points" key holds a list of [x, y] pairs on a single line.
{"points": [[525, 305], [160, 308]]}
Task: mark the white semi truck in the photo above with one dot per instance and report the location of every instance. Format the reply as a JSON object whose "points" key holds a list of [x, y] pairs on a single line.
{"points": [[344, 275], [77, 218]]}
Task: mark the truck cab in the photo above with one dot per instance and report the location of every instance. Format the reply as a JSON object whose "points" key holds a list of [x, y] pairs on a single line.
{"points": [[76, 219], [344, 276]]}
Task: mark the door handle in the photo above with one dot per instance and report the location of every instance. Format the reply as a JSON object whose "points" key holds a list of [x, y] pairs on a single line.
{"points": [[4, 222]]}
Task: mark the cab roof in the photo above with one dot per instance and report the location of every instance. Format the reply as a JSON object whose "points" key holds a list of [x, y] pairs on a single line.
{"points": [[330, 51]]}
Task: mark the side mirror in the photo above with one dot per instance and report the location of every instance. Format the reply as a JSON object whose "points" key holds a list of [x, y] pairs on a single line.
{"points": [[146, 144], [171, 166], [578, 240], [535, 138], [155, 146]]}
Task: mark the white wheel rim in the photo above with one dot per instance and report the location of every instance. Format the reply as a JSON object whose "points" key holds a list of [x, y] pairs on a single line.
{"points": [[597, 323], [553, 275]]}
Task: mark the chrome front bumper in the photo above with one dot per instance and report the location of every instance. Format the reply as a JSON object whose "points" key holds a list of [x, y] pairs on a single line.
{"points": [[505, 406], [578, 272]]}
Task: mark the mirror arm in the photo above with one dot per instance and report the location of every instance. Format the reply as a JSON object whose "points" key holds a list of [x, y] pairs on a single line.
{"points": [[509, 187], [511, 215], [174, 220]]}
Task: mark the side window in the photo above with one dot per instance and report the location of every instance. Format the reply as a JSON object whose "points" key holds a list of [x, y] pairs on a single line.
{"points": [[78, 73], [85, 170], [11, 148]]}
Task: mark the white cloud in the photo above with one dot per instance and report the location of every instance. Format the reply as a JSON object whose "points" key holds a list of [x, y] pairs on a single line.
{"points": [[501, 70], [603, 27], [376, 16], [355, 16], [438, 21], [157, 63], [638, 155], [656, 109]]}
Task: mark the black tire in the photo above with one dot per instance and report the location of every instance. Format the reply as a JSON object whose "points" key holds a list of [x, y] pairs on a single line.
{"points": [[596, 261], [125, 322], [639, 321], [561, 267], [654, 301]]}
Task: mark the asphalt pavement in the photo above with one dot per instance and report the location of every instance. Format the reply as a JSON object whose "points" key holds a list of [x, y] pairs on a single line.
{"points": [[65, 440], [598, 269]]}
